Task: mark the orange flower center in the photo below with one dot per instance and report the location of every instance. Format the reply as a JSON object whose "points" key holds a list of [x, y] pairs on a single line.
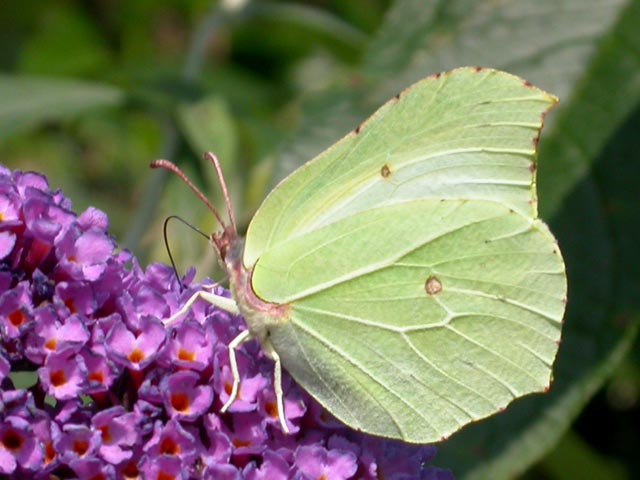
{"points": [[57, 378], [136, 356], [169, 447], [180, 402], [80, 447], [130, 471], [96, 376], [12, 440], [49, 452], [271, 408], [16, 318], [70, 305], [186, 355], [240, 443], [106, 434]]}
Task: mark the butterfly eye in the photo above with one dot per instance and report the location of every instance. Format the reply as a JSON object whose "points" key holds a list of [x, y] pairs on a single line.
{"points": [[433, 286]]}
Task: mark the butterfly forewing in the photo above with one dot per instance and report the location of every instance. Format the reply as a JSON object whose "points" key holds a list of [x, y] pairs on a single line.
{"points": [[464, 134]]}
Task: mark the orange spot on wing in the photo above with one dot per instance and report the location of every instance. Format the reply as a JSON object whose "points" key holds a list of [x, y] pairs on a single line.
{"points": [[433, 286]]}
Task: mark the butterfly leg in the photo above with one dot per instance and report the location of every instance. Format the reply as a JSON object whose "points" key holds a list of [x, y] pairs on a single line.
{"points": [[230, 306], [224, 303], [277, 382], [244, 336]]}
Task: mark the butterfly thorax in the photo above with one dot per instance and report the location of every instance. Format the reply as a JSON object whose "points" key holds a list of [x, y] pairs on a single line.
{"points": [[259, 315]]}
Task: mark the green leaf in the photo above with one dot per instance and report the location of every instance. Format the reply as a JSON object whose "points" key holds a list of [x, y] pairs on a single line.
{"points": [[26, 102], [311, 18], [549, 42], [22, 379], [209, 127], [607, 93]]}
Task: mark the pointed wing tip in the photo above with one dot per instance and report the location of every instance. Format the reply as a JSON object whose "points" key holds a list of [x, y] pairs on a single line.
{"points": [[550, 98]]}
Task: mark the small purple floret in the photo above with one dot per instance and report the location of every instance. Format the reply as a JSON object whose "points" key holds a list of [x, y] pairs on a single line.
{"points": [[18, 447], [94, 385], [184, 397], [315, 461]]}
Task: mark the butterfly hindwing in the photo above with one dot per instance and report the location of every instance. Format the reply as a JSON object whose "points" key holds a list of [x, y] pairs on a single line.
{"points": [[427, 325]]}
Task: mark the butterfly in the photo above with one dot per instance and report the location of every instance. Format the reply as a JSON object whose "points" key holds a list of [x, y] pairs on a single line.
{"points": [[403, 277]]}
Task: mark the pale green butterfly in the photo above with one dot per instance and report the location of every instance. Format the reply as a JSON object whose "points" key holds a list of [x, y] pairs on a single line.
{"points": [[402, 277]]}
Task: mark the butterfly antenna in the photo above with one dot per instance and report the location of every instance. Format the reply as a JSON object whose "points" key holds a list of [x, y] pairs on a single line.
{"points": [[216, 164], [166, 164], [166, 240]]}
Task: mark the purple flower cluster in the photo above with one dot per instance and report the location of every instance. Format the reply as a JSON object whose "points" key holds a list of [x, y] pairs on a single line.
{"points": [[94, 386]]}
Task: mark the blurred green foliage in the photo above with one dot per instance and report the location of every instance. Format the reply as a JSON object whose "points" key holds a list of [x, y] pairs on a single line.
{"points": [[91, 91]]}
